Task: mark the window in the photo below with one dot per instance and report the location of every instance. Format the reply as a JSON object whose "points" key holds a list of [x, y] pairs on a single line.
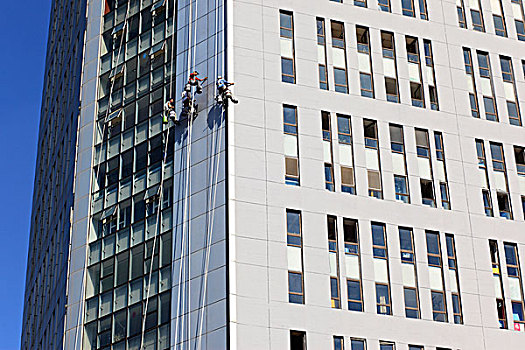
{"points": [[453, 267], [490, 108], [427, 193], [291, 145], [374, 184], [383, 299], [429, 61], [514, 114], [422, 146], [467, 58], [411, 303], [487, 203], [321, 42], [439, 310], [392, 94], [329, 177], [360, 3], [295, 282], [384, 5], [341, 82], [498, 162], [445, 199], [433, 249], [412, 49], [367, 89], [401, 188], [498, 284], [461, 14], [504, 205], [327, 137], [347, 180], [379, 241], [363, 41], [294, 242], [474, 107], [344, 130], [520, 29], [406, 242], [519, 156], [397, 143], [438, 307], [387, 44], [523, 205], [423, 12], [287, 47], [514, 273], [440, 153], [499, 25], [338, 35], [408, 8], [415, 347], [484, 65], [351, 236], [477, 20], [339, 343], [355, 299], [480, 150], [358, 344], [334, 257], [353, 260], [386, 346], [416, 93], [370, 131], [297, 340]]}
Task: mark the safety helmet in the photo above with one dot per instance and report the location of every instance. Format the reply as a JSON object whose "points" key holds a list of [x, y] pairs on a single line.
{"points": [[219, 77]]}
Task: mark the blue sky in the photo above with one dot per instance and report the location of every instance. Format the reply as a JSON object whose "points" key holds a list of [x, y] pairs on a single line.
{"points": [[23, 34]]}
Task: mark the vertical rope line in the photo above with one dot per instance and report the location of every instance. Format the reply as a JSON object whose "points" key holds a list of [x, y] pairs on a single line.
{"points": [[157, 232], [212, 197], [180, 295]]}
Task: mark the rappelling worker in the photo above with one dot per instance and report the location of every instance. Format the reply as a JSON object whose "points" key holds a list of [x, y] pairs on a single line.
{"points": [[189, 106], [223, 87], [169, 112], [194, 80]]}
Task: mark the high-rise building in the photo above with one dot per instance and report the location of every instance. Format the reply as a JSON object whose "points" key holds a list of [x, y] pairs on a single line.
{"points": [[367, 192]]}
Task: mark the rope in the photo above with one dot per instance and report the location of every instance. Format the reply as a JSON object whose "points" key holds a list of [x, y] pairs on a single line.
{"points": [[212, 198], [97, 172], [186, 192], [157, 231], [161, 188]]}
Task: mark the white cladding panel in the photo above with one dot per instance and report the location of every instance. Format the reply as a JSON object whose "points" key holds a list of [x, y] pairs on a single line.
{"points": [[352, 266], [424, 168], [435, 278], [398, 164], [409, 278], [290, 145], [381, 270], [345, 155], [486, 88], [295, 262], [338, 55], [389, 67], [372, 159], [287, 47]]}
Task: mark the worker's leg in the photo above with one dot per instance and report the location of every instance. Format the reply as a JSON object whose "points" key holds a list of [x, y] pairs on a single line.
{"points": [[174, 117], [230, 96]]}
